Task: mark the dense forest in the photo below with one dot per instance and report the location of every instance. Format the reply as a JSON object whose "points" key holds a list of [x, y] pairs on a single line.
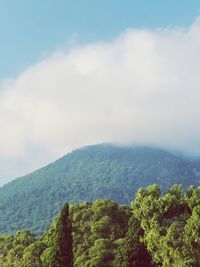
{"points": [[156, 230], [87, 174]]}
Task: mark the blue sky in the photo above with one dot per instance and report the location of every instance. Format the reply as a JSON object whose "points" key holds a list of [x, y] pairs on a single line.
{"points": [[31, 30]]}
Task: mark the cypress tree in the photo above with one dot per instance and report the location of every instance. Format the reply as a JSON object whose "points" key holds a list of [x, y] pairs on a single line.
{"points": [[63, 248]]}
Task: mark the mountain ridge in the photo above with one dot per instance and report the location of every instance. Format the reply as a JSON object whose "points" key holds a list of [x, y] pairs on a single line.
{"points": [[101, 171]]}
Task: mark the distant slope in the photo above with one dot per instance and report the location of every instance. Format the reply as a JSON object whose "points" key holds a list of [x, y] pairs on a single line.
{"points": [[87, 174]]}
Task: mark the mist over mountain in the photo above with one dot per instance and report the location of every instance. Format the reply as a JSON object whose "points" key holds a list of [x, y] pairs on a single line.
{"points": [[94, 172], [141, 86]]}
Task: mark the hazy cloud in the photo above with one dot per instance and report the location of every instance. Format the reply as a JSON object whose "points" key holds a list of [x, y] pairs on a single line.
{"points": [[143, 87]]}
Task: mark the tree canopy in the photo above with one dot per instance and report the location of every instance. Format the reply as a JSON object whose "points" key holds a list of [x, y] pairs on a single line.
{"points": [[157, 230]]}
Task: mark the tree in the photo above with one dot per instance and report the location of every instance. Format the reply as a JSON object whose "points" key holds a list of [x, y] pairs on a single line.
{"points": [[32, 253], [101, 253], [191, 235], [132, 252], [62, 254]]}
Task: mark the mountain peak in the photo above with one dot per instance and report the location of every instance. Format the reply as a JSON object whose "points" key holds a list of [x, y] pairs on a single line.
{"points": [[90, 173]]}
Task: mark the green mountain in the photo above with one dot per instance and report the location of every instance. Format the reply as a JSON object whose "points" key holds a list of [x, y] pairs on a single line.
{"points": [[86, 174]]}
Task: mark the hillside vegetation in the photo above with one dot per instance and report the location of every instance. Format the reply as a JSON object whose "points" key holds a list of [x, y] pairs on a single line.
{"points": [[157, 230], [94, 172]]}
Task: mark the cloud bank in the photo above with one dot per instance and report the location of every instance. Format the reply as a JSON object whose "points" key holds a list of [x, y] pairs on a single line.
{"points": [[142, 87]]}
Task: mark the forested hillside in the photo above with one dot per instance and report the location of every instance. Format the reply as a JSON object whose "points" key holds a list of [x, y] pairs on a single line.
{"points": [[94, 172], [157, 230]]}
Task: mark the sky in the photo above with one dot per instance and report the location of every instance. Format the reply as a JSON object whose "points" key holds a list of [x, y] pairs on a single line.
{"points": [[74, 73]]}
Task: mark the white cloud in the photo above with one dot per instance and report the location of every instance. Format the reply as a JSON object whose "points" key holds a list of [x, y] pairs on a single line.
{"points": [[143, 87]]}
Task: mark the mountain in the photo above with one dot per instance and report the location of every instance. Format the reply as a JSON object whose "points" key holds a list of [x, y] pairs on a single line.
{"points": [[94, 172]]}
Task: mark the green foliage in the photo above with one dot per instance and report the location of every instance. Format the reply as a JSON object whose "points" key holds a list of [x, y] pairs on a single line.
{"points": [[132, 252], [20, 250], [47, 257], [158, 230], [62, 250], [95, 172], [32, 254], [169, 222]]}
